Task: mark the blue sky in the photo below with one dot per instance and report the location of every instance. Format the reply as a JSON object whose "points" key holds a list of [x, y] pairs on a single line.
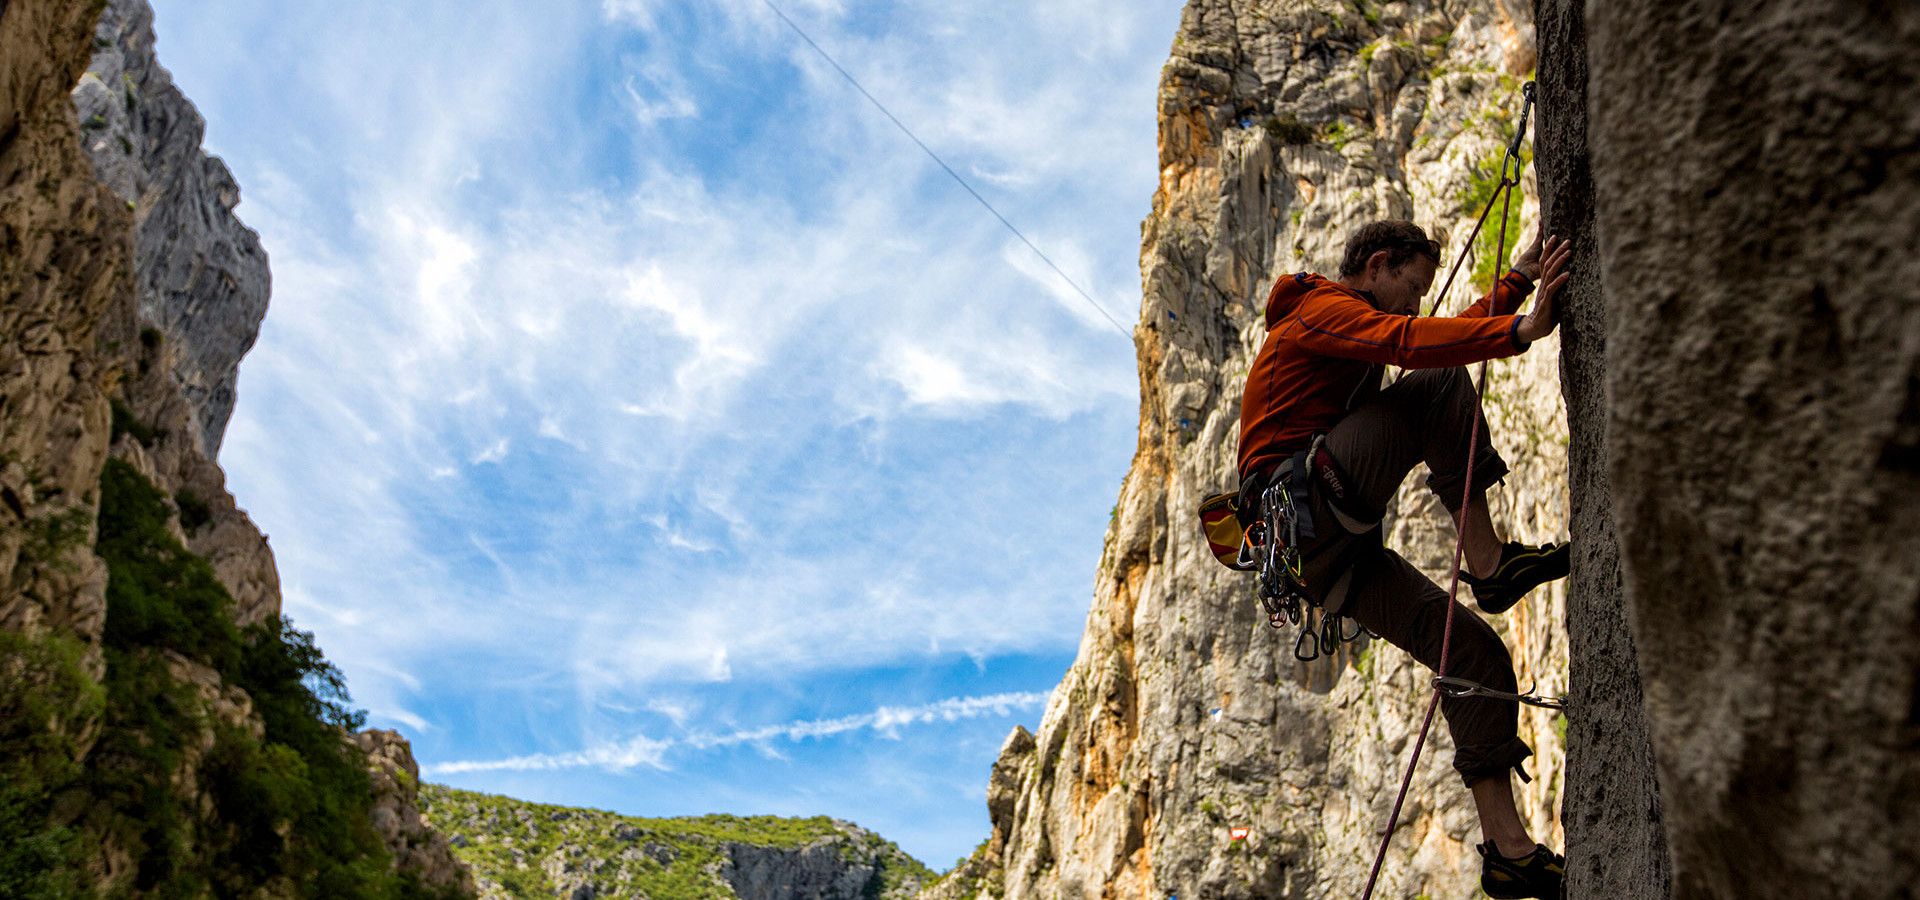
{"points": [[641, 421]]}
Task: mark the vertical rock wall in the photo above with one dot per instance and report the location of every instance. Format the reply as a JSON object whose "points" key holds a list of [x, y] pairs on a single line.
{"points": [[1616, 843], [1757, 174], [66, 280], [1283, 125]]}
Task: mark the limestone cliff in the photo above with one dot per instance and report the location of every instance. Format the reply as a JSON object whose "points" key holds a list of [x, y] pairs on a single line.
{"points": [[1283, 125], [203, 275], [163, 729], [1741, 368]]}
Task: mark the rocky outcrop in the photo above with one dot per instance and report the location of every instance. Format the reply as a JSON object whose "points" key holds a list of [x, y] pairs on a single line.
{"points": [[415, 846], [1758, 209], [1283, 126], [812, 872], [203, 275], [521, 849]]}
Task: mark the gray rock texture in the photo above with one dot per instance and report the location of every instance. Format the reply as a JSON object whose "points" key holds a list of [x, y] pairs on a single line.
{"points": [[1756, 171], [1283, 125], [202, 273], [813, 872], [1616, 842]]}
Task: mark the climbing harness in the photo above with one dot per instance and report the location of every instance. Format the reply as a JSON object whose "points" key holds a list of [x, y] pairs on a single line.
{"points": [[1510, 170], [1273, 541], [1265, 536]]}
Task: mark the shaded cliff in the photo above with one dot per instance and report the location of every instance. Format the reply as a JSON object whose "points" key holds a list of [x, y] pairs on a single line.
{"points": [[521, 849], [1616, 838], [1282, 127], [163, 730], [1758, 208]]}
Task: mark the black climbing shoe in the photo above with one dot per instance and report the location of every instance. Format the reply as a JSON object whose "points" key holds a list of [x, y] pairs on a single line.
{"points": [[1523, 567], [1538, 875]]}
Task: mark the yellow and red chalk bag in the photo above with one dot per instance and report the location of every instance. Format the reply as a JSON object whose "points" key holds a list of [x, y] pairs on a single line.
{"points": [[1220, 521]]}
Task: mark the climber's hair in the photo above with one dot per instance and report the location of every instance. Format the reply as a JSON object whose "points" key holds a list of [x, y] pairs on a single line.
{"points": [[1401, 239]]}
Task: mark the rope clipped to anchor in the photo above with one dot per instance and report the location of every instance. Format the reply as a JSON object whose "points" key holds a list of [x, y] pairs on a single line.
{"points": [[1511, 167]]}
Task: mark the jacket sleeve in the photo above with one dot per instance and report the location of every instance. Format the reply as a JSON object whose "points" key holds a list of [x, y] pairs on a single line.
{"points": [[1504, 299], [1336, 323]]}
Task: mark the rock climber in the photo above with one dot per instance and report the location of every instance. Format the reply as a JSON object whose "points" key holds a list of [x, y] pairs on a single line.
{"points": [[1316, 387]]}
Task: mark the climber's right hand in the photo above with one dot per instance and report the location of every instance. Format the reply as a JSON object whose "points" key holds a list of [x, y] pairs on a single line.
{"points": [[1540, 321]]}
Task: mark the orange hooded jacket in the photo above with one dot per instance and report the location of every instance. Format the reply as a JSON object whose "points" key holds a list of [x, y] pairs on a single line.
{"points": [[1327, 347]]}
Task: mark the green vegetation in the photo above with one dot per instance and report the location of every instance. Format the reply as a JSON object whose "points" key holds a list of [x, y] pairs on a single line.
{"points": [[124, 422], [1363, 661], [1482, 184], [46, 696], [1339, 134], [285, 812], [969, 875], [194, 512], [509, 842]]}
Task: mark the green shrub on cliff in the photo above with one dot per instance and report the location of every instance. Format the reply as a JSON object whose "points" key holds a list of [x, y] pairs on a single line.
{"points": [[283, 812], [45, 696]]}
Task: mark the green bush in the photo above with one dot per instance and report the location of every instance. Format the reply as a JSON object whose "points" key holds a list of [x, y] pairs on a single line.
{"points": [[289, 809], [1482, 184], [124, 422], [45, 696], [194, 512], [159, 595]]}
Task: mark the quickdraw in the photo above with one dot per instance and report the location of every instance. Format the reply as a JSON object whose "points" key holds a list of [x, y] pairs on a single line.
{"points": [[1273, 543], [1459, 688]]}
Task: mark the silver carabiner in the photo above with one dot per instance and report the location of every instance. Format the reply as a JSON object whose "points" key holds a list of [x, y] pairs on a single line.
{"points": [[1461, 688]]}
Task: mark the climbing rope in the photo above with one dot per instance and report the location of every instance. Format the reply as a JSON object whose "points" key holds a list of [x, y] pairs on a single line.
{"points": [[1443, 685]]}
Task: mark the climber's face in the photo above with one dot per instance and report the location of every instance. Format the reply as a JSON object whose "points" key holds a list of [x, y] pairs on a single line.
{"points": [[1400, 288]]}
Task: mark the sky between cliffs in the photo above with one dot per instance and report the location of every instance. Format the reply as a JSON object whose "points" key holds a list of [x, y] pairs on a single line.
{"points": [[642, 422]]}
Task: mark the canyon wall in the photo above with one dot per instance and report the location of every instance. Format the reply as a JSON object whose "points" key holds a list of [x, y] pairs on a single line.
{"points": [[163, 728]]}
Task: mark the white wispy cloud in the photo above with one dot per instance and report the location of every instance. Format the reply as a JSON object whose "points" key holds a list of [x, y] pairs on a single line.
{"points": [[618, 349], [641, 750]]}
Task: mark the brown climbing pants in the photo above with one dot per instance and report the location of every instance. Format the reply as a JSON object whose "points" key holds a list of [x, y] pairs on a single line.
{"points": [[1423, 417]]}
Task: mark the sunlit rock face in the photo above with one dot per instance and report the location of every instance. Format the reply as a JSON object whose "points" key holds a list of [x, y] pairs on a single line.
{"points": [[202, 273], [1283, 126]]}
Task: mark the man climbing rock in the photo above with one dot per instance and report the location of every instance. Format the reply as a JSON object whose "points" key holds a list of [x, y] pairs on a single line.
{"points": [[1315, 414]]}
